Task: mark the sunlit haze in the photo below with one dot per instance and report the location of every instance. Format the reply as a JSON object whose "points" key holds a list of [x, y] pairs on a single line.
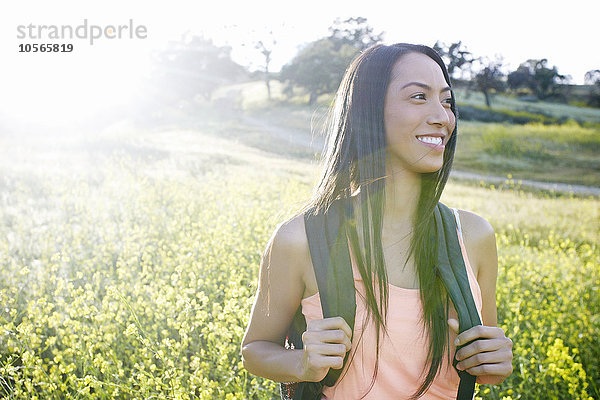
{"points": [[64, 89]]}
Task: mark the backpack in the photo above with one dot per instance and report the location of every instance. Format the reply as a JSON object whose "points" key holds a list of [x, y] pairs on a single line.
{"points": [[331, 261]]}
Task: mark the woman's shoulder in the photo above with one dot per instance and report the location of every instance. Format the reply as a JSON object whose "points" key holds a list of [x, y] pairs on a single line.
{"points": [[289, 247], [476, 227], [290, 236], [292, 252], [479, 239]]}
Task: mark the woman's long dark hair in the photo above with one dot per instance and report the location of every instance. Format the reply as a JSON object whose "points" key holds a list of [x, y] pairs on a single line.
{"points": [[356, 159]]}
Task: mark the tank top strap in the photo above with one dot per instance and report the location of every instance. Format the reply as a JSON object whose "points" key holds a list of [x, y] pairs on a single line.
{"points": [[475, 289], [455, 211]]}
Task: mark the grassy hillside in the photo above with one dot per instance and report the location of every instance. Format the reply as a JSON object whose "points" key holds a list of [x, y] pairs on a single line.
{"points": [[566, 153], [130, 258], [551, 153], [500, 101]]}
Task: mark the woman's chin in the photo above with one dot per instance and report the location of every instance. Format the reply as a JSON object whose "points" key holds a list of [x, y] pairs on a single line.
{"points": [[431, 169]]}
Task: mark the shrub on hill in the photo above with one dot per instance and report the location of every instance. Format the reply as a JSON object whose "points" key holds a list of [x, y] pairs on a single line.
{"points": [[483, 114]]}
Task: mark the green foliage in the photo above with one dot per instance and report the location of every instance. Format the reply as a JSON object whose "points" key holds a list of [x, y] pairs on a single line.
{"points": [[489, 78], [556, 110], [193, 67], [537, 76], [547, 290], [505, 115], [134, 278], [553, 153], [592, 78], [456, 56], [318, 67], [354, 32]]}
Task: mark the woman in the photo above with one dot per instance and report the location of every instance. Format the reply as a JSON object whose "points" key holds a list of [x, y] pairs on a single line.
{"points": [[392, 135]]}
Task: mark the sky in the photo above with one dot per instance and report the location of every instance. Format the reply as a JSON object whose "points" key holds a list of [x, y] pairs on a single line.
{"points": [[44, 85]]}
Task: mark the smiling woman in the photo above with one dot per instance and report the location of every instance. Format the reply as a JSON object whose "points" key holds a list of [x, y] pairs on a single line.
{"points": [[418, 116], [360, 273]]}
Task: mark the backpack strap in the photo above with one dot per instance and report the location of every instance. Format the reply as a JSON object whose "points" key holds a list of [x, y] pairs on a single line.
{"points": [[453, 273], [330, 255]]}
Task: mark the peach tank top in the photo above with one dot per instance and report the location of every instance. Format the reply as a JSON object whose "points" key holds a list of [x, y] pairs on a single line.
{"points": [[402, 354]]}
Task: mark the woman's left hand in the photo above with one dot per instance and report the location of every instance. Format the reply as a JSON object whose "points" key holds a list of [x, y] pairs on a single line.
{"points": [[488, 357]]}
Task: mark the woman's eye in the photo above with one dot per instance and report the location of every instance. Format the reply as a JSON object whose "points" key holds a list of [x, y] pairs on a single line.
{"points": [[447, 101], [419, 96]]}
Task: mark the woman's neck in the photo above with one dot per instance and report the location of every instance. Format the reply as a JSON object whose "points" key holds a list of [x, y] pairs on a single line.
{"points": [[402, 190]]}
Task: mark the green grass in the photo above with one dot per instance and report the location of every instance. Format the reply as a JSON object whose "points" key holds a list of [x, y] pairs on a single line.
{"points": [[130, 275], [254, 95], [557, 110], [566, 153], [129, 264]]}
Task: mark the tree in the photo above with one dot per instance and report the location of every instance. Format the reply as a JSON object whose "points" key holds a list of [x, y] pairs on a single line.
{"points": [[592, 78], [354, 32], [520, 78], [195, 66], [489, 78], [456, 56], [318, 67], [266, 51], [537, 76]]}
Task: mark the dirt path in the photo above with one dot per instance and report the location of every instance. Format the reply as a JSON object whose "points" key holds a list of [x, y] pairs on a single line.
{"points": [[298, 138], [556, 186]]}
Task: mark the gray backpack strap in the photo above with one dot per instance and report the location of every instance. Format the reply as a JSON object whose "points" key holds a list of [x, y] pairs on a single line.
{"points": [[329, 251], [330, 255], [453, 272]]}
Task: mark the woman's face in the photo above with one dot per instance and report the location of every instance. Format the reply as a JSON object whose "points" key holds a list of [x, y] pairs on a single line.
{"points": [[417, 115]]}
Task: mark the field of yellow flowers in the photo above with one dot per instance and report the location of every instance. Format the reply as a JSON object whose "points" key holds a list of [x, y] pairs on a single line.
{"points": [[128, 267]]}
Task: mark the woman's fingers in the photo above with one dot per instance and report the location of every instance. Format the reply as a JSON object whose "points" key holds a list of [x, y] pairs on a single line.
{"points": [[322, 362], [491, 357], [479, 332], [330, 324], [497, 370], [483, 345], [326, 349], [328, 330], [325, 342], [487, 353], [330, 336]]}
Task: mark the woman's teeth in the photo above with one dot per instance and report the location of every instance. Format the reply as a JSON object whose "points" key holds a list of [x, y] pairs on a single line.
{"points": [[430, 139]]}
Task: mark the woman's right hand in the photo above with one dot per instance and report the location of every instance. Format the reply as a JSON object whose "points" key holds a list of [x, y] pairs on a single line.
{"points": [[285, 269], [325, 342]]}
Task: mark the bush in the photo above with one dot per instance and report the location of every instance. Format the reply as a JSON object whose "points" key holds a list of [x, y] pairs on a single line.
{"points": [[482, 114], [137, 280]]}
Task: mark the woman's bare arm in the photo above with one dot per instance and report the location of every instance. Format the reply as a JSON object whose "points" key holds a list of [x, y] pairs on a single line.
{"points": [[480, 243], [490, 358], [280, 289]]}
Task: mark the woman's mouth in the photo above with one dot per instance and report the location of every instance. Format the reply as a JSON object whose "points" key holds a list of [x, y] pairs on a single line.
{"points": [[431, 140]]}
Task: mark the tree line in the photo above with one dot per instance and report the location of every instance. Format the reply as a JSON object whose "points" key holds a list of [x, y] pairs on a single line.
{"points": [[198, 67]]}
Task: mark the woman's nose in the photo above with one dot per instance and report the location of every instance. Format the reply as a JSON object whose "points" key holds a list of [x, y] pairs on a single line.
{"points": [[438, 116]]}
